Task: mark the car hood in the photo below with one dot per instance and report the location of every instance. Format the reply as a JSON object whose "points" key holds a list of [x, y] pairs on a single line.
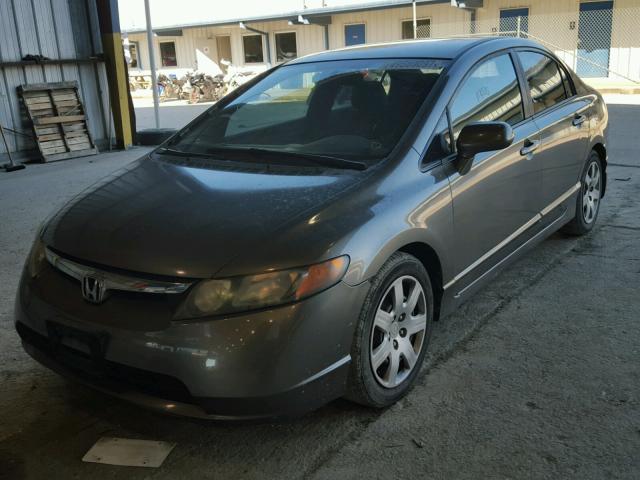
{"points": [[170, 219]]}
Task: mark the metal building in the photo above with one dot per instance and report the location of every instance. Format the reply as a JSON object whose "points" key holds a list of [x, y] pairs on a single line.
{"points": [[66, 36], [598, 39]]}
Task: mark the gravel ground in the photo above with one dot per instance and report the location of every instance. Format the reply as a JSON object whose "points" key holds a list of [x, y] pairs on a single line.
{"points": [[538, 376]]}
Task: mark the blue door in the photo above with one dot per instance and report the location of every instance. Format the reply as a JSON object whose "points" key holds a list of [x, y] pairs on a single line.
{"points": [[594, 39], [514, 20], [354, 34]]}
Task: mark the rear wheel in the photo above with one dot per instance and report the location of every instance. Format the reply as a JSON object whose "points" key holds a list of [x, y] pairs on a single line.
{"points": [[588, 201], [392, 334]]}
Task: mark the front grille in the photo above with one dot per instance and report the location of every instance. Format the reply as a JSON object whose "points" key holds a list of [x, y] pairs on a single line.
{"points": [[106, 374]]}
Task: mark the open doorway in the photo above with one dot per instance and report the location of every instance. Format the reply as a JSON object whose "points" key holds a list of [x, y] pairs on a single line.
{"points": [[223, 45]]}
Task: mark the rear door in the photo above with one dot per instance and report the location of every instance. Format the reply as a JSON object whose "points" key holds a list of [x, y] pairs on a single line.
{"points": [[562, 120], [496, 205]]}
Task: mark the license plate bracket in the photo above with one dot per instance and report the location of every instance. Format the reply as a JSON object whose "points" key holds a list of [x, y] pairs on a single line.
{"points": [[92, 344]]}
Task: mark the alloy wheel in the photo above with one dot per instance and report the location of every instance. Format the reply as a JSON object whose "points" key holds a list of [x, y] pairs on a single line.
{"points": [[398, 331], [591, 192]]}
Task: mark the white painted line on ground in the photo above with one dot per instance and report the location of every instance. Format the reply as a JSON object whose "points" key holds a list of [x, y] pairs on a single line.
{"points": [[128, 452]]}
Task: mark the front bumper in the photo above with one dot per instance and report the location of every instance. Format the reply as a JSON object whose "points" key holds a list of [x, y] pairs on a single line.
{"points": [[279, 362]]}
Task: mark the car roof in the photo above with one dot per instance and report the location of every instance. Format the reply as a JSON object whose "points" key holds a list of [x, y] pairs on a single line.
{"points": [[445, 48]]}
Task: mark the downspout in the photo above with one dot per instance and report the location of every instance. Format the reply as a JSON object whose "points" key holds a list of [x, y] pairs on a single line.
{"points": [[415, 21], [326, 37]]}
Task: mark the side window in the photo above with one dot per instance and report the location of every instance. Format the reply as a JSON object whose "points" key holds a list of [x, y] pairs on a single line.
{"points": [[568, 88], [544, 80], [490, 93], [343, 97], [440, 145]]}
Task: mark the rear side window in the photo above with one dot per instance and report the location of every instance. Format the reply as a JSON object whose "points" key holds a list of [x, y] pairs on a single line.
{"points": [[490, 93], [543, 79], [567, 83]]}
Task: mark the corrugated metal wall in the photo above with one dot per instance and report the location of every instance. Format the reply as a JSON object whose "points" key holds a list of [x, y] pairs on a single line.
{"points": [[57, 29]]}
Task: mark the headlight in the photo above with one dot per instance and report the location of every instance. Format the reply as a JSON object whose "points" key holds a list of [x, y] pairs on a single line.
{"points": [[217, 297], [36, 258]]}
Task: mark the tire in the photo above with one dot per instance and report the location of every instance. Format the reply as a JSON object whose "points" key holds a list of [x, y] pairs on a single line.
{"points": [[154, 136], [379, 388], [588, 201]]}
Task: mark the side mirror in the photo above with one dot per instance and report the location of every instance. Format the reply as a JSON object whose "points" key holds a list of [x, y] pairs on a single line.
{"points": [[481, 137]]}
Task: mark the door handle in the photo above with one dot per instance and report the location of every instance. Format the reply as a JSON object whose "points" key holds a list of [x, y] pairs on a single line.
{"points": [[530, 146], [578, 120]]}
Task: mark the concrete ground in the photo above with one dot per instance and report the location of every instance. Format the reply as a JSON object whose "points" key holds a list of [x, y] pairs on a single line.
{"points": [[173, 113], [536, 377]]}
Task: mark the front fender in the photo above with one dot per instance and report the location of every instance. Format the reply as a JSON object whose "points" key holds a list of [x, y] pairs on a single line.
{"points": [[424, 217]]}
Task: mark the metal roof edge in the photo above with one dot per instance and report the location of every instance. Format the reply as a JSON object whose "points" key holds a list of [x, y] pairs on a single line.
{"points": [[310, 12]]}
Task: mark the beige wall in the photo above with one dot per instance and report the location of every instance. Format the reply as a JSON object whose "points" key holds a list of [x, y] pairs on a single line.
{"points": [[549, 20], [386, 25], [625, 38], [309, 39]]}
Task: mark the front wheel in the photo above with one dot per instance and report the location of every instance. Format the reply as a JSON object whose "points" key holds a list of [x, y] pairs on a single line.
{"points": [[588, 201], [393, 332]]}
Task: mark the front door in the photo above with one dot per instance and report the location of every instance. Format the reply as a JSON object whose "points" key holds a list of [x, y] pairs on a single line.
{"points": [[496, 205], [354, 34], [514, 22], [594, 39]]}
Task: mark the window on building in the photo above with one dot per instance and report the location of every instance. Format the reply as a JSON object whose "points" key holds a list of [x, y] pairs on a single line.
{"points": [[252, 49], [490, 93], [286, 46], [133, 55], [168, 54], [354, 34], [423, 28], [544, 80]]}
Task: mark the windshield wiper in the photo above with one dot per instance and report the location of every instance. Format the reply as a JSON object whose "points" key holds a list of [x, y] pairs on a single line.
{"points": [[181, 153], [324, 160]]}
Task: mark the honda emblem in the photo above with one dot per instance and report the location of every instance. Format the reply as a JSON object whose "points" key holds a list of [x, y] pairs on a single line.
{"points": [[93, 289]]}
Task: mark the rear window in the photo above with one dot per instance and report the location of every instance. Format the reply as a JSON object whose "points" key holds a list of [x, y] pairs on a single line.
{"points": [[544, 80], [356, 109]]}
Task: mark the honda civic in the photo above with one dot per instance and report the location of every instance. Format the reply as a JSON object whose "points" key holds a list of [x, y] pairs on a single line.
{"points": [[296, 242]]}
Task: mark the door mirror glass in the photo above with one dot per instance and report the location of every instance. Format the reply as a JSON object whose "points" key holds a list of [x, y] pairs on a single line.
{"points": [[480, 137]]}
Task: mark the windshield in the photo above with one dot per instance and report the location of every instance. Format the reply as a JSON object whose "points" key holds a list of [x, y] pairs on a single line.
{"points": [[349, 109]]}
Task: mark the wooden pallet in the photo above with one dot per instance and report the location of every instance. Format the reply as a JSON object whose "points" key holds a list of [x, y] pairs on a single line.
{"points": [[58, 119]]}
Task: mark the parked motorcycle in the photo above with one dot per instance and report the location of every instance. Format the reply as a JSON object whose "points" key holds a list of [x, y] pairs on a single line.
{"points": [[169, 87], [205, 88]]}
